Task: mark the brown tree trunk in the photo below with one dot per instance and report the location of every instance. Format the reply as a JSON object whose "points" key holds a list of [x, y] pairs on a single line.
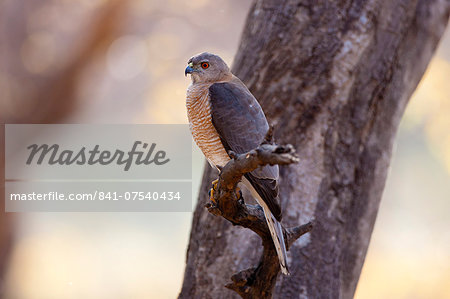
{"points": [[334, 78]]}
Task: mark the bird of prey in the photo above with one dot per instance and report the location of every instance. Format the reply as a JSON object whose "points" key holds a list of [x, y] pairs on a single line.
{"points": [[224, 116]]}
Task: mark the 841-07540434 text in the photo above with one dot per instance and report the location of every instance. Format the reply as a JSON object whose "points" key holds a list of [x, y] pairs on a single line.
{"points": [[100, 195], [98, 168]]}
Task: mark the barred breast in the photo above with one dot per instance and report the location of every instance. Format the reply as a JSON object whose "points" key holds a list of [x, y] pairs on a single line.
{"points": [[200, 123]]}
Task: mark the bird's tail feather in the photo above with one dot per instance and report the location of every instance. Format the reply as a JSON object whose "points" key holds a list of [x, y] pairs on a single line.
{"points": [[274, 226], [278, 239]]}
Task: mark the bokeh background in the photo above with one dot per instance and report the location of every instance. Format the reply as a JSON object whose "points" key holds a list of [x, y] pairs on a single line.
{"points": [[99, 61]]}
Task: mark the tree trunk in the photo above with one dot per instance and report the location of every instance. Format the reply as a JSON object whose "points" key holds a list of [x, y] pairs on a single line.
{"points": [[334, 78]]}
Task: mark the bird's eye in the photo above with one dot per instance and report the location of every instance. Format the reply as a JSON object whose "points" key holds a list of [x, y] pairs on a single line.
{"points": [[205, 65]]}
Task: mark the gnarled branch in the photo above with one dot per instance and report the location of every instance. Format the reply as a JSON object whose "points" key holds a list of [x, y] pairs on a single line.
{"points": [[255, 282]]}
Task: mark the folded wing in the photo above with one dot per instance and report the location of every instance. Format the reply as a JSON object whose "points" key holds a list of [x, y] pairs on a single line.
{"points": [[242, 126]]}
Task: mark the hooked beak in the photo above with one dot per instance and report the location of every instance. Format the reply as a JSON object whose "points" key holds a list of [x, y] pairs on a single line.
{"points": [[188, 70]]}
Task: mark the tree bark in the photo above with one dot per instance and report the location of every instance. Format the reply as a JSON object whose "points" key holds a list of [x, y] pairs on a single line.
{"points": [[334, 78]]}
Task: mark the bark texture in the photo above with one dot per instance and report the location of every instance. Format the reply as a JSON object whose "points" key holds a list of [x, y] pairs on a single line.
{"points": [[334, 78]]}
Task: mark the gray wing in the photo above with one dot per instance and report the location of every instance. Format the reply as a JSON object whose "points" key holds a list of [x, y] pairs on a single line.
{"points": [[242, 126]]}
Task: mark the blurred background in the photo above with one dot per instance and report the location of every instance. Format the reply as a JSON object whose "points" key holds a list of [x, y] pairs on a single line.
{"points": [[99, 61]]}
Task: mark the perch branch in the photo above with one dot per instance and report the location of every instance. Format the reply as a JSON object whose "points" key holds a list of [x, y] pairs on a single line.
{"points": [[227, 202]]}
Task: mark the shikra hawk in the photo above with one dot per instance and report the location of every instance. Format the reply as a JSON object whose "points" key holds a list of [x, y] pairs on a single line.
{"points": [[223, 116]]}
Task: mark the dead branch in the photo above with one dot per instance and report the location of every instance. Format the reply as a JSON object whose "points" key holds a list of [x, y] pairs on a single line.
{"points": [[259, 281]]}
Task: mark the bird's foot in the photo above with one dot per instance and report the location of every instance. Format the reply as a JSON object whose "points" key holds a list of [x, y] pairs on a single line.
{"points": [[212, 190]]}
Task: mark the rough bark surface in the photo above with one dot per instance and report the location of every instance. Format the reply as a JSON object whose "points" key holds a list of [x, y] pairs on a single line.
{"points": [[334, 78]]}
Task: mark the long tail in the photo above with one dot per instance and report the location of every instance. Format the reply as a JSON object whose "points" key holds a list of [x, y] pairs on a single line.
{"points": [[275, 229], [277, 237]]}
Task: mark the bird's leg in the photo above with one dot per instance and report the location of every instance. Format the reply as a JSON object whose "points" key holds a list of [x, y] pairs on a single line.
{"points": [[211, 191]]}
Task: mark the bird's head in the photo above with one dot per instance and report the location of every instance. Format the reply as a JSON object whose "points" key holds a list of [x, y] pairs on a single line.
{"points": [[207, 68]]}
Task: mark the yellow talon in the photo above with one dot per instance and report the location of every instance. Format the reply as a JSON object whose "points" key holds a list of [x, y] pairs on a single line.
{"points": [[238, 193], [214, 183], [211, 192]]}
